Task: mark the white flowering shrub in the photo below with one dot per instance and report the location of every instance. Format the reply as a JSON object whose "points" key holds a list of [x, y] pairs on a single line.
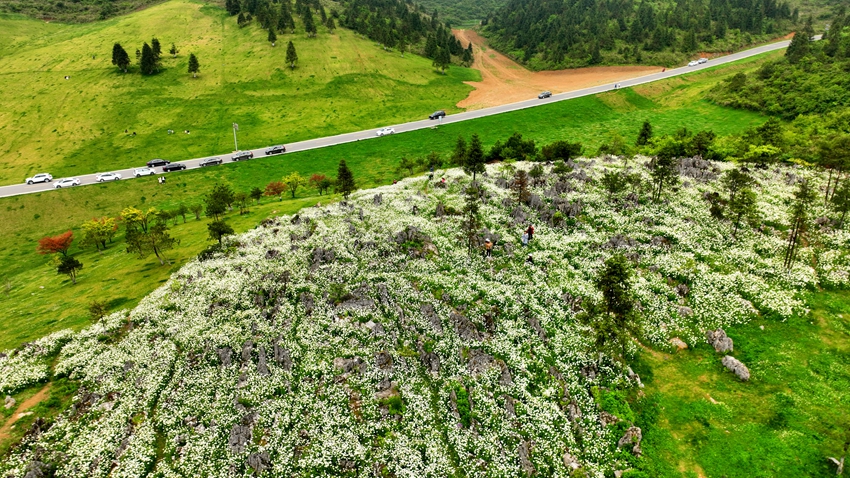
{"points": [[362, 339], [29, 364]]}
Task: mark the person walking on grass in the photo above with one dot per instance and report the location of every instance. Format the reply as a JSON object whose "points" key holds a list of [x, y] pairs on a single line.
{"points": [[530, 231], [525, 239], [488, 248]]}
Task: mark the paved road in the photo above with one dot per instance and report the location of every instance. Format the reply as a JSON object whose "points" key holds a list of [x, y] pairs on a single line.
{"points": [[17, 189]]}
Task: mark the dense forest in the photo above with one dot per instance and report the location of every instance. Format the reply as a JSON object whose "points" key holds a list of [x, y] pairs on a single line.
{"points": [[547, 34], [73, 11], [812, 78], [463, 13]]}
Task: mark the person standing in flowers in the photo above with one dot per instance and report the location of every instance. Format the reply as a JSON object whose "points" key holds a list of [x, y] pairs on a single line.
{"points": [[524, 238], [530, 231], [488, 248]]}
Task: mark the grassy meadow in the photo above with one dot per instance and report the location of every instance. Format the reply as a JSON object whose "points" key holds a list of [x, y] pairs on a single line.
{"points": [[37, 301], [343, 83]]}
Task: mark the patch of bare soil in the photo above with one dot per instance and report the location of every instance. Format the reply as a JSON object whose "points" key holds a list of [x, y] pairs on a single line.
{"points": [[504, 81], [22, 408]]}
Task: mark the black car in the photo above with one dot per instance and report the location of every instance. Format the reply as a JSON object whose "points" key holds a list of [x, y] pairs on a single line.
{"points": [[437, 114], [210, 162], [276, 150], [155, 163], [242, 155], [173, 167], [545, 94]]}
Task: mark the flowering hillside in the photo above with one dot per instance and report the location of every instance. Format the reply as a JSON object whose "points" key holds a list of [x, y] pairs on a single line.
{"points": [[363, 338]]}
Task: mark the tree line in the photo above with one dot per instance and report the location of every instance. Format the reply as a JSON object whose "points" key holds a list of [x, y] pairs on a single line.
{"points": [[573, 33], [149, 58]]}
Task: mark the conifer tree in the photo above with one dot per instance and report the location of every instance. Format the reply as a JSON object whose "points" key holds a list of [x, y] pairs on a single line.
{"points": [[291, 56], [459, 154], [148, 61], [804, 197], [272, 37], [120, 57], [800, 44], [174, 51], [645, 134], [331, 25], [474, 161], [194, 66], [309, 25], [344, 180]]}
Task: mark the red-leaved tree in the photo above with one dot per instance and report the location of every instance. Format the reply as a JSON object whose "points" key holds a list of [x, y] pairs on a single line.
{"points": [[275, 188], [52, 245]]}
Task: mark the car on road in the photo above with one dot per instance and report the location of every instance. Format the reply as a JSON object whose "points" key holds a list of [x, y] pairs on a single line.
{"points": [[693, 63], [107, 177], [279, 149], [66, 183], [545, 94], [437, 114], [40, 178], [173, 167], [155, 163], [385, 131], [210, 162], [702, 60], [139, 172], [242, 155]]}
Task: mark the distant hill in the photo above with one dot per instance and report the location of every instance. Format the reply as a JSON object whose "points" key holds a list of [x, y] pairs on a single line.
{"points": [[73, 11], [547, 34]]}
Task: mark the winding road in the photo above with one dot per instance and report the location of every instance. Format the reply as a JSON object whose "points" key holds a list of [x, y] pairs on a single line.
{"points": [[18, 189]]}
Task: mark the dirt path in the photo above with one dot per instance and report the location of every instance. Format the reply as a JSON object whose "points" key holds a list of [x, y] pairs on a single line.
{"points": [[504, 81], [23, 407]]}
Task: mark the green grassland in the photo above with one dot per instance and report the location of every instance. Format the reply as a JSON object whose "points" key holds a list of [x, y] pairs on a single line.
{"points": [[342, 83], [30, 311]]}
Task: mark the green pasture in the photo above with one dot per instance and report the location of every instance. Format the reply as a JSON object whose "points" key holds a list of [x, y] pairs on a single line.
{"points": [[37, 301], [343, 83]]}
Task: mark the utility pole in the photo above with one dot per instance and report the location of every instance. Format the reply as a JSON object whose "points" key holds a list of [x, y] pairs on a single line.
{"points": [[235, 129]]}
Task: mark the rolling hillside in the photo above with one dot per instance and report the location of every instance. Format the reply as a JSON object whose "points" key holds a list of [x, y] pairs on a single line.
{"points": [[342, 83]]}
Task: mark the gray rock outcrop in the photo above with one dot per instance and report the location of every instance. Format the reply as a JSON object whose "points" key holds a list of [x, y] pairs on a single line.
{"points": [[631, 439], [736, 367], [719, 340]]}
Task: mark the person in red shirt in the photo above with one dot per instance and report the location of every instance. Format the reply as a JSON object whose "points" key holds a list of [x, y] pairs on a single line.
{"points": [[530, 232]]}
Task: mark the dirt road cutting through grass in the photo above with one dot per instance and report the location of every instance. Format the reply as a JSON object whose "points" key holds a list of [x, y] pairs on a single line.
{"points": [[504, 81]]}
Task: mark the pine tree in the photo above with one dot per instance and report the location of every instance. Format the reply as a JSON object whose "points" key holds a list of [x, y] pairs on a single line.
{"points": [[120, 57], [156, 48], [841, 201], [595, 54], [309, 26], [804, 197], [331, 25], [800, 44], [148, 62], [344, 180], [442, 59], [70, 266], [272, 36], [459, 155], [232, 6], [474, 161], [467, 56], [174, 51], [194, 66], [291, 56], [645, 134]]}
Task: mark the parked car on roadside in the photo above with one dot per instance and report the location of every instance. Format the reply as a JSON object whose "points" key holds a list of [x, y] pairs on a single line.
{"points": [[139, 172], [173, 167], [279, 149], [102, 177], [155, 163], [66, 183], [242, 155], [210, 162], [545, 94], [385, 131], [437, 114], [40, 178]]}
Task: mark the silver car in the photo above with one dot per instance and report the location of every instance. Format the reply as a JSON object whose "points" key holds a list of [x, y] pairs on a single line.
{"points": [[40, 178], [107, 177], [139, 172], [66, 183], [385, 131]]}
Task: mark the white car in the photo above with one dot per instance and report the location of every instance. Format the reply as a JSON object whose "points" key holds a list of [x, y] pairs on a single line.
{"points": [[139, 172], [107, 177], [702, 60], [40, 178], [693, 63], [385, 131], [67, 182]]}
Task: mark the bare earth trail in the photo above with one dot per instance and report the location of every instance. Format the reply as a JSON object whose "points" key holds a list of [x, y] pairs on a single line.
{"points": [[504, 81], [23, 407]]}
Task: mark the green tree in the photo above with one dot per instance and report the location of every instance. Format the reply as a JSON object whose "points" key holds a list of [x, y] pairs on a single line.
{"points": [[474, 161], [442, 59], [218, 229], [644, 135], [70, 266], [804, 197], [344, 180], [331, 25], [256, 193], [241, 199], [309, 25], [97, 231], [181, 211], [614, 182], [293, 181], [146, 232], [272, 37], [614, 321], [291, 56], [194, 66], [801, 43], [662, 168], [218, 200], [742, 206], [520, 187], [173, 51], [761, 156], [156, 49], [459, 155], [408, 164], [841, 201], [120, 58], [196, 210], [148, 61]]}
